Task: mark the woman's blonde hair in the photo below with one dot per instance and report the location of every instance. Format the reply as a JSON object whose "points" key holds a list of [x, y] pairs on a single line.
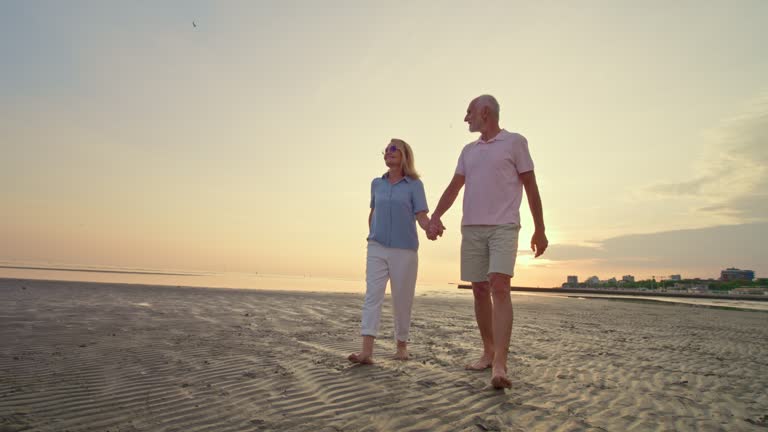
{"points": [[407, 163]]}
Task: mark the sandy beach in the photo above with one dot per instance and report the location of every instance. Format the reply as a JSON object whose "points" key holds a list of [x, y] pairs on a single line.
{"points": [[97, 357]]}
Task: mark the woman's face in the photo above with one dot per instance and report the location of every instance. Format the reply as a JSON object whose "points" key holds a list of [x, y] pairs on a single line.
{"points": [[393, 156]]}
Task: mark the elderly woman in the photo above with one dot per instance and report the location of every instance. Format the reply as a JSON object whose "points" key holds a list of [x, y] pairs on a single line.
{"points": [[397, 203]]}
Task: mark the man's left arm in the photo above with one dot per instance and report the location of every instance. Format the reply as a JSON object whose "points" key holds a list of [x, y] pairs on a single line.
{"points": [[539, 240]]}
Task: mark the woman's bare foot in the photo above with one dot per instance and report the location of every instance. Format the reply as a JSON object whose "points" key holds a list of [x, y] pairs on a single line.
{"points": [[402, 351], [482, 364], [365, 356], [361, 358]]}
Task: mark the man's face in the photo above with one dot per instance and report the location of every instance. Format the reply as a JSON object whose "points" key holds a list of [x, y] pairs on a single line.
{"points": [[474, 117]]}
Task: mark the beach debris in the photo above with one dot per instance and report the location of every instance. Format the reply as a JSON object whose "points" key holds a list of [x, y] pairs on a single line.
{"points": [[759, 421], [250, 374], [282, 371], [426, 383], [487, 425]]}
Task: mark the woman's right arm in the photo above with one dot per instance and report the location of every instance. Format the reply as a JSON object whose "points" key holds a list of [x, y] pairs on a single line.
{"points": [[373, 203], [370, 216]]}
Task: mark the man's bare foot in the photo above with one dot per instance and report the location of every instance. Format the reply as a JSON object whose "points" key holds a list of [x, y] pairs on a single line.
{"points": [[480, 365], [360, 358], [499, 379]]}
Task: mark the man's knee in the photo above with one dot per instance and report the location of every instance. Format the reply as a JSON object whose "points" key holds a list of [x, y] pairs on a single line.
{"points": [[481, 289], [499, 284]]}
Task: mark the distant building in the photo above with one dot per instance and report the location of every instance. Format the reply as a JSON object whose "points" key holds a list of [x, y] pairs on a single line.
{"points": [[573, 280], [593, 280], [610, 281], [628, 278], [731, 274], [675, 277]]}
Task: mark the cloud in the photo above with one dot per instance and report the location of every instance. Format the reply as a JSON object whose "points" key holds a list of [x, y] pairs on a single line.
{"points": [[733, 181], [718, 247], [691, 187]]}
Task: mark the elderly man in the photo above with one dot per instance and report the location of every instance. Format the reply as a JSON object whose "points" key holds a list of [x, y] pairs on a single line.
{"points": [[495, 169]]}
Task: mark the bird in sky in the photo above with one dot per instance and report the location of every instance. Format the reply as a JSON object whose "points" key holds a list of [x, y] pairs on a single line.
{"points": [[194, 24]]}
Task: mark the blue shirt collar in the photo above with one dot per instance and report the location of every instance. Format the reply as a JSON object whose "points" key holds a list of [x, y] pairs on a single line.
{"points": [[407, 179]]}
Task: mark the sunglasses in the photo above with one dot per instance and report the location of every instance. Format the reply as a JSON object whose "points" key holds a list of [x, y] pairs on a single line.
{"points": [[390, 149]]}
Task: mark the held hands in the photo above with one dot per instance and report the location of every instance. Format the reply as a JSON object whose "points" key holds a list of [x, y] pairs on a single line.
{"points": [[435, 228], [539, 243]]}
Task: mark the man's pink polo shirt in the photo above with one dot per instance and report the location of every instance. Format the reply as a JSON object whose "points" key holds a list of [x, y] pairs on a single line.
{"points": [[492, 187]]}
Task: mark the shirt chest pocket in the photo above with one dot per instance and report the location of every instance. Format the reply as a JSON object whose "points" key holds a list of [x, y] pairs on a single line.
{"points": [[485, 163]]}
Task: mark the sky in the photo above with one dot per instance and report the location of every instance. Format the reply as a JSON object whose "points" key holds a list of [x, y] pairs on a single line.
{"points": [[131, 138]]}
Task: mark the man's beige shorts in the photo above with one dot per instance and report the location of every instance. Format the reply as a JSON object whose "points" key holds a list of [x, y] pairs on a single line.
{"points": [[488, 249]]}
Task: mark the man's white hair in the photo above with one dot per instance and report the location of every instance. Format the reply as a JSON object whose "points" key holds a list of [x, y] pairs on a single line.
{"points": [[490, 102]]}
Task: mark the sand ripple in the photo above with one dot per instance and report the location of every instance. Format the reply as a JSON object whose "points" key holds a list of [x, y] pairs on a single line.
{"points": [[89, 357]]}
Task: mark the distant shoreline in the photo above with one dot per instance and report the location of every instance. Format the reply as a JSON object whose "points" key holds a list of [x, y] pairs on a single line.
{"points": [[633, 293], [90, 270]]}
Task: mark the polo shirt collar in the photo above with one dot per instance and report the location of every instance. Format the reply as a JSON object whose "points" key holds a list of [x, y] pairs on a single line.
{"points": [[498, 136]]}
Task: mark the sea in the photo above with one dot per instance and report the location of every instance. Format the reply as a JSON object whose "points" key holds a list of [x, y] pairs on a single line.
{"points": [[308, 283]]}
